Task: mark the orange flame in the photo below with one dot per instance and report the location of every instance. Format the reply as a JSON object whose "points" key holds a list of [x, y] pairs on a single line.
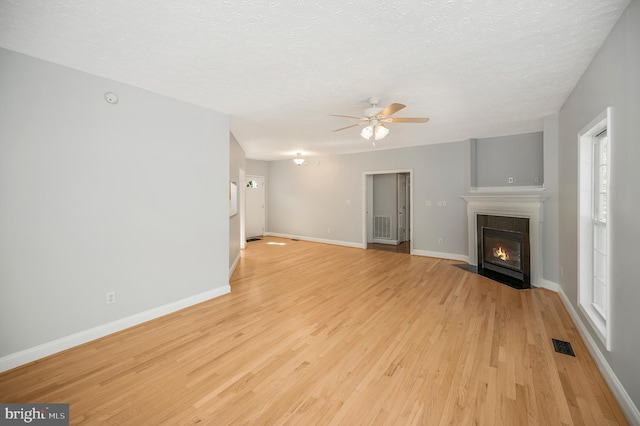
{"points": [[500, 253]]}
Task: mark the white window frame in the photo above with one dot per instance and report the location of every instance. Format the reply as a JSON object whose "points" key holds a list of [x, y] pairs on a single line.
{"points": [[598, 317]]}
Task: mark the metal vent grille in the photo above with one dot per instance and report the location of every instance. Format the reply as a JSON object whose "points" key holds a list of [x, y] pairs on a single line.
{"points": [[563, 347], [382, 227]]}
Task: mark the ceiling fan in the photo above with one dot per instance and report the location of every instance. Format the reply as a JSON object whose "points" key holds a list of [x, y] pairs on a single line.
{"points": [[375, 117]]}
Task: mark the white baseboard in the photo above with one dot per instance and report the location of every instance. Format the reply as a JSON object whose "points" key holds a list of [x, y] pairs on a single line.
{"points": [[314, 240], [441, 255], [235, 263], [32, 354], [550, 285], [624, 400]]}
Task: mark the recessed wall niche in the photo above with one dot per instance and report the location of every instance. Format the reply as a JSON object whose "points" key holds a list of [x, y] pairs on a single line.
{"points": [[507, 161]]}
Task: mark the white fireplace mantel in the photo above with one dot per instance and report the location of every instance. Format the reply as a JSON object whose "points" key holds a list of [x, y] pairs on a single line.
{"points": [[526, 206]]}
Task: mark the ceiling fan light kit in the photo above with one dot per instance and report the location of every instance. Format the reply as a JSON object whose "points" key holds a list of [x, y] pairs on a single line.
{"points": [[375, 117], [378, 131], [367, 132]]}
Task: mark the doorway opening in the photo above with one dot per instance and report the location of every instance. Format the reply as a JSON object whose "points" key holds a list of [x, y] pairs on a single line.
{"points": [[388, 211], [254, 223]]}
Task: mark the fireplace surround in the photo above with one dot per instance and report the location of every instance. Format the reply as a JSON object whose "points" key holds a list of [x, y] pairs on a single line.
{"points": [[508, 208]]}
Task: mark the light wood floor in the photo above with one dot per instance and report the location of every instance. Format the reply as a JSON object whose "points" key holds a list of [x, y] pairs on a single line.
{"points": [[319, 334]]}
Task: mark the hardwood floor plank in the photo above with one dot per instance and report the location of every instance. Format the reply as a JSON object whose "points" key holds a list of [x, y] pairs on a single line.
{"points": [[319, 334]]}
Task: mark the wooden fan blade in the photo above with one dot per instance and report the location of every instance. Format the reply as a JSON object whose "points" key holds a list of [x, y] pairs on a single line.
{"points": [[347, 127], [391, 109], [350, 116], [407, 120]]}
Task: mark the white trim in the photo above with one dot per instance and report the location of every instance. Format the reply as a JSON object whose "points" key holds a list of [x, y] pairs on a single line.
{"points": [[235, 264], [441, 255], [550, 285], [314, 240], [32, 354], [364, 202], [242, 183], [525, 206], [599, 324], [622, 397], [507, 189], [249, 178]]}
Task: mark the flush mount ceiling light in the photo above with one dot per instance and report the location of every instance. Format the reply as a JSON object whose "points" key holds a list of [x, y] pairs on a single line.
{"points": [[299, 160]]}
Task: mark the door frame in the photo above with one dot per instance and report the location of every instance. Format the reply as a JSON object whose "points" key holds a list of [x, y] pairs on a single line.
{"points": [[242, 182], [264, 205], [365, 199]]}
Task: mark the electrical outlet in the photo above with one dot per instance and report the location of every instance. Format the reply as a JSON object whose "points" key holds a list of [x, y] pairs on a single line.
{"points": [[328, 230], [111, 297], [510, 179], [440, 241], [444, 204]]}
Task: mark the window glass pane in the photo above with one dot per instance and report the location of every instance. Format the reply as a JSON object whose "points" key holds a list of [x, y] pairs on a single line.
{"points": [[598, 291], [602, 178], [602, 207], [604, 142], [599, 297], [599, 238], [599, 266]]}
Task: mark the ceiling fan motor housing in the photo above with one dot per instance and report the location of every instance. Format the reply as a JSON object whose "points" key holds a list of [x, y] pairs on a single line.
{"points": [[373, 111]]}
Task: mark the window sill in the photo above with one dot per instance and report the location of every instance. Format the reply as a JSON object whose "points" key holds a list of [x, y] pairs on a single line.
{"points": [[597, 322]]}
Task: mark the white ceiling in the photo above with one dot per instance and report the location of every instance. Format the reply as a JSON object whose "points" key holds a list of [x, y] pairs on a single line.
{"points": [[279, 68]]}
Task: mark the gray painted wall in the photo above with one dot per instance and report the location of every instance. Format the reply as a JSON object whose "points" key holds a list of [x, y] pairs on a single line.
{"points": [[497, 158], [328, 194], [611, 80], [258, 167], [236, 163], [130, 198]]}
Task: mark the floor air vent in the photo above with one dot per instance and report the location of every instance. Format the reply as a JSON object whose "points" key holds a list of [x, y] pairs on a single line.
{"points": [[382, 227], [250, 240], [563, 347]]}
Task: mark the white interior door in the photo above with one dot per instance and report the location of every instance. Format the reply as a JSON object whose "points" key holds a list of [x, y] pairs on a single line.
{"points": [[242, 183], [369, 208], [254, 199], [402, 208]]}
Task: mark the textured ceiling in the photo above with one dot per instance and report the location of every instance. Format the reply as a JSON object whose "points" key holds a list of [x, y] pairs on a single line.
{"points": [[279, 68]]}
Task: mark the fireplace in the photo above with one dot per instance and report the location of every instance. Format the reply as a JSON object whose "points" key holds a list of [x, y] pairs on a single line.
{"points": [[502, 252], [503, 249], [520, 213]]}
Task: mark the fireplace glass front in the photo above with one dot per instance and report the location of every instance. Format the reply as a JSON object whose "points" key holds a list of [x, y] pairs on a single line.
{"points": [[502, 252]]}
